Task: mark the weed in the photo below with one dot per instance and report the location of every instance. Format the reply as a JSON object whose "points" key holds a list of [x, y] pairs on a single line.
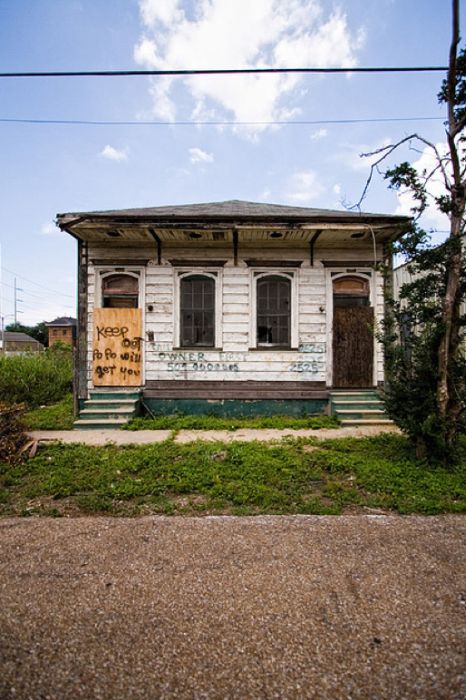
{"points": [[209, 422], [249, 478], [36, 378], [59, 416]]}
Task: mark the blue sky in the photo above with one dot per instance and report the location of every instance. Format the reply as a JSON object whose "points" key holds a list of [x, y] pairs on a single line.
{"points": [[47, 169]]}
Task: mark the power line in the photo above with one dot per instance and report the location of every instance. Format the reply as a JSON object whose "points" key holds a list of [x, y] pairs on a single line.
{"points": [[218, 71], [303, 122], [54, 291]]}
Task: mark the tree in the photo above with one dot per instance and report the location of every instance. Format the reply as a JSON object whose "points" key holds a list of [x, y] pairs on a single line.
{"points": [[426, 369]]}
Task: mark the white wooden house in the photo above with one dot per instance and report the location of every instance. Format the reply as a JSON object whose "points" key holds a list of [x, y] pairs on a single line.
{"points": [[231, 306]]}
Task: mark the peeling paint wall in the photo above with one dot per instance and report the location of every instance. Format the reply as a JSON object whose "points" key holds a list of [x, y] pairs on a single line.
{"points": [[235, 356]]}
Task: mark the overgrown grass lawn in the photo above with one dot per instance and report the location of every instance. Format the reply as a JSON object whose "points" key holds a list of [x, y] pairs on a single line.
{"points": [[59, 416], [297, 476]]}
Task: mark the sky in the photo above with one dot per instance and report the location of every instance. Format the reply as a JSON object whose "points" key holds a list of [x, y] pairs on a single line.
{"points": [[47, 169]]}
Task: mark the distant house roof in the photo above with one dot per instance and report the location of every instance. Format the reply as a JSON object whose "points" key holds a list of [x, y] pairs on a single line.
{"points": [[63, 321], [231, 210], [14, 337]]}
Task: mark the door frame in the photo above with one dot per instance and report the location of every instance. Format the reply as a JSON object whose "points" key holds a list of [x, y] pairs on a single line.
{"points": [[101, 271], [368, 275]]}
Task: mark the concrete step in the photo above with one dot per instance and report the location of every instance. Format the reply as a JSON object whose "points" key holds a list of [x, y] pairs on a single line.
{"points": [[354, 422], [99, 424], [111, 414]]}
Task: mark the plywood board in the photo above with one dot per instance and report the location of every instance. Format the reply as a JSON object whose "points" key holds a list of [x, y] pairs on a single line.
{"points": [[117, 347]]}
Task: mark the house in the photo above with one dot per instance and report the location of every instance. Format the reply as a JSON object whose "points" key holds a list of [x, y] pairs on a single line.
{"points": [[232, 307], [63, 330], [12, 342]]}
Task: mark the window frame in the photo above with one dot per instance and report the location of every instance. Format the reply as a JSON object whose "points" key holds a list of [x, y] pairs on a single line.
{"points": [[292, 277], [217, 277], [103, 273]]}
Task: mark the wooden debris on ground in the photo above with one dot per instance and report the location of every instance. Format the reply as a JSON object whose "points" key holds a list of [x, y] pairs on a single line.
{"points": [[14, 443]]}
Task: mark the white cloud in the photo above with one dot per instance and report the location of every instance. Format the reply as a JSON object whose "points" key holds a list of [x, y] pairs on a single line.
{"points": [[114, 153], [241, 34], [49, 229], [304, 187], [160, 11], [432, 217], [265, 195], [337, 189], [319, 134], [351, 155], [197, 155]]}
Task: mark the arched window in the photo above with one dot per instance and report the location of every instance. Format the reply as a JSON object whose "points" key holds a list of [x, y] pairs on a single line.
{"points": [[273, 311], [197, 296], [351, 291], [120, 291]]}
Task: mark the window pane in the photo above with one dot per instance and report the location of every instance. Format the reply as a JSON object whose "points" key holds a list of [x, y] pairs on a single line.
{"points": [[273, 311], [197, 311]]}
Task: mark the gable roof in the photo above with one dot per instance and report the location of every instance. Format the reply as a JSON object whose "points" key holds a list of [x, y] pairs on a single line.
{"points": [[17, 337], [63, 321], [229, 210]]}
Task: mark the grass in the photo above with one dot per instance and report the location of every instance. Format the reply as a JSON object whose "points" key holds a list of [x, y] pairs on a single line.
{"points": [[295, 476], [59, 416], [36, 378], [209, 422]]}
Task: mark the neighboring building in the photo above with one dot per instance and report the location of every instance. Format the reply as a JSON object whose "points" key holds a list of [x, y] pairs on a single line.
{"points": [[13, 342], [62, 330], [232, 304]]}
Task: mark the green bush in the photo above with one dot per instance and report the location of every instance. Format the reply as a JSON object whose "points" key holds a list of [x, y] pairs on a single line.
{"points": [[36, 379]]}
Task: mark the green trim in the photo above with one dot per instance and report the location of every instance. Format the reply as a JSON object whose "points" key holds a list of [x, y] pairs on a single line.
{"points": [[235, 407]]}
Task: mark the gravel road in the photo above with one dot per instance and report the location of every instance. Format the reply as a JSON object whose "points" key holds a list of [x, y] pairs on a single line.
{"points": [[220, 607]]}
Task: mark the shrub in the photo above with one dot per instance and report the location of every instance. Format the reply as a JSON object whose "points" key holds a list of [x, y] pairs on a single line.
{"points": [[36, 379]]}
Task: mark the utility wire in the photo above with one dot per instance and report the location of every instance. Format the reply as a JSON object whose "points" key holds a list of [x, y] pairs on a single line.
{"points": [[304, 122], [218, 71], [54, 291]]}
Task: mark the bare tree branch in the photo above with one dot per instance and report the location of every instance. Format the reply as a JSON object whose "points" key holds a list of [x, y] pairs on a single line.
{"points": [[386, 151]]}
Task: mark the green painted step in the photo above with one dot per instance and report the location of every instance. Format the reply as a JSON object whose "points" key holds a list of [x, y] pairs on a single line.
{"points": [[371, 414], [114, 395], [352, 423], [108, 409], [353, 408], [348, 405]]}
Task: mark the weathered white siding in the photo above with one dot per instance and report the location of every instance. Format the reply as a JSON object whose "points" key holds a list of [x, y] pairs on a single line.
{"points": [[235, 358]]}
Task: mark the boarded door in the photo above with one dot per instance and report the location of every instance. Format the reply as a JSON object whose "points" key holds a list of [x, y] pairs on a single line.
{"points": [[353, 346], [117, 347]]}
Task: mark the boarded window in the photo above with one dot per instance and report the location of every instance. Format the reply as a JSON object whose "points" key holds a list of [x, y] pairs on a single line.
{"points": [[350, 291], [197, 311], [273, 311], [120, 292]]}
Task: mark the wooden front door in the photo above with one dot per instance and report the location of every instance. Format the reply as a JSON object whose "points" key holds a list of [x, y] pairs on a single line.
{"points": [[353, 346]]}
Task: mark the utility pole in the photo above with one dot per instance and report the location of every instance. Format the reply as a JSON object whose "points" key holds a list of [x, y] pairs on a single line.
{"points": [[16, 300]]}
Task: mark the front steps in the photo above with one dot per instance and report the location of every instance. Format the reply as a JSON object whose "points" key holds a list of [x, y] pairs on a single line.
{"points": [[358, 408], [108, 409]]}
